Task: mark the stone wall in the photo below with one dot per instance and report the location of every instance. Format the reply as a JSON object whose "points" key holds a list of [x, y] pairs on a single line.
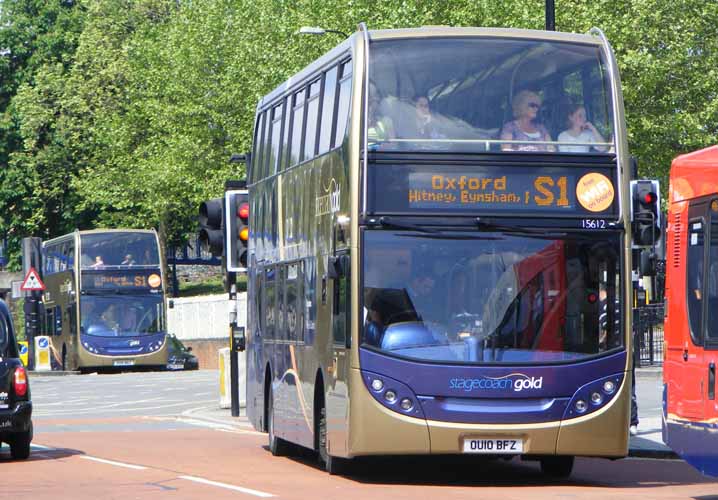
{"points": [[207, 352]]}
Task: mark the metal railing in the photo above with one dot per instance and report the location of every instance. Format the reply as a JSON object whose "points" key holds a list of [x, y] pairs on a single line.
{"points": [[648, 334]]}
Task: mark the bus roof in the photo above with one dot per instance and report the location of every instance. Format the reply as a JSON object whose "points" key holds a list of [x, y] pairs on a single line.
{"points": [[427, 31], [694, 174], [69, 236]]}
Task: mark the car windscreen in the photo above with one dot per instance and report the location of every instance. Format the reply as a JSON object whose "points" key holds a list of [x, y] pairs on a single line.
{"points": [[491, 297]]}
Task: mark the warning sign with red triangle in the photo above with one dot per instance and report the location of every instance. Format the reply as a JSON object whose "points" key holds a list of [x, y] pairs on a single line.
{"points": [[32, 282]]}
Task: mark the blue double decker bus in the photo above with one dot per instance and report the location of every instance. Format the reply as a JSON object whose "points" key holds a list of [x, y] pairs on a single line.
{"points": [[439, 260], [104, 303]]}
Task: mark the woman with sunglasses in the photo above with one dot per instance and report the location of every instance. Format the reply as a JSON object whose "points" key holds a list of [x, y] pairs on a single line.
{"points": [[525, 127]]}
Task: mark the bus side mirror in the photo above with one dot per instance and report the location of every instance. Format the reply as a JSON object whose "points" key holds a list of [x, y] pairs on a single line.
{"points": [[647, 265]]}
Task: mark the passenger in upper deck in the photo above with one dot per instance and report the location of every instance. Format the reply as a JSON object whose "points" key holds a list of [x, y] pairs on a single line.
{"points": [[99, 263], [425, 126], [381, 128], [580, 131], [525, 128]]}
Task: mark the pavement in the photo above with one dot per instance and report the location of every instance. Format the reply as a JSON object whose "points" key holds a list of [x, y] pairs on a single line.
{"points": [[647, 443], [649, 394]]}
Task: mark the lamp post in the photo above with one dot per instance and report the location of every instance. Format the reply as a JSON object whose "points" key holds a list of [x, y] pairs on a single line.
{"points": [[315, 30]]}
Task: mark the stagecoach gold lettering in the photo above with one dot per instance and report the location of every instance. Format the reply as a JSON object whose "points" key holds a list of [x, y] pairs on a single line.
{"points": [[518, 190], [328, 203]]}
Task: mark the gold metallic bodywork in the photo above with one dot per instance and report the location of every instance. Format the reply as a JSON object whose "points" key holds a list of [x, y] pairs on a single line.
{"points": [[357, 424], [57, 293], [377, 430]]}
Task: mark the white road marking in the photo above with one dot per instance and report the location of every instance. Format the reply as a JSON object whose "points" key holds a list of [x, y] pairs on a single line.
{"points": [[248, 491], [201, 423], [241, 431], [99, 409], [110, 462]]}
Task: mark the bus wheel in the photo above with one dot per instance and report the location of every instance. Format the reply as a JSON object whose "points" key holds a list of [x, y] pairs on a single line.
{"points": [[277, 446], [333, 465], [557, 466], [20, 444]]}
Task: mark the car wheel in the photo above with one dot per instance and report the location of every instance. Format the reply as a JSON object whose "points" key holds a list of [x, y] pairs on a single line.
{"points": [[20, 444], [557, 466], [277, 446]]}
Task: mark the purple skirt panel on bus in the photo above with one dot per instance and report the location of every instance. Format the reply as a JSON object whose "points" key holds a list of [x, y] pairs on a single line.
{"points": [[497, 394], [695, 442]]}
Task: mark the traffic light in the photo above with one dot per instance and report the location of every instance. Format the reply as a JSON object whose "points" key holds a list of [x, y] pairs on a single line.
{"points": [[645, 212], [211, 236], [237, 223]]}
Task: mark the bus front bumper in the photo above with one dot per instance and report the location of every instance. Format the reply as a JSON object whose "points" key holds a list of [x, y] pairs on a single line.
{"points": [[375, 430]]}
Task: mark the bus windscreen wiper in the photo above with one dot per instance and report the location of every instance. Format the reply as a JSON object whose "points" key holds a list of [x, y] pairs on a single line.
{"points": [[491, 226], [389, 222]]}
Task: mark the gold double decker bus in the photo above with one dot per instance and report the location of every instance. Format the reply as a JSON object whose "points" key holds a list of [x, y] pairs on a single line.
{"points": [[104, 302], [439, 260]]}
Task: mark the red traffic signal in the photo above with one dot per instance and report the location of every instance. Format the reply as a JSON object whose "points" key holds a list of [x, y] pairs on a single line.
{"points": [[243, 211], [237, 222], [649, 198]]}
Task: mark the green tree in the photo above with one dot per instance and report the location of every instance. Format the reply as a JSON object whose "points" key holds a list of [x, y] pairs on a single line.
{"points": [[37, 42]]}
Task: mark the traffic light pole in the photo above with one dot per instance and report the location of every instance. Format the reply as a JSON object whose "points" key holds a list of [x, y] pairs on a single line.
{"points": [[31, 252], [233, 351]]}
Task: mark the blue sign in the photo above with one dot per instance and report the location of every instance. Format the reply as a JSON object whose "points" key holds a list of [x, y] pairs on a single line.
{"points": [[23, 349], [42, 343]]}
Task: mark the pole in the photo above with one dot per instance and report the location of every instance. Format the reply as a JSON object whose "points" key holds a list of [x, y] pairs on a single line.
{"points": [[233, 361], [550, 16]]}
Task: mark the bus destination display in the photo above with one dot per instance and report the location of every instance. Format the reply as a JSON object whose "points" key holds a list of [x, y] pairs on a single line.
{"points": [[121, 280], [494, 190], [471, 191]]}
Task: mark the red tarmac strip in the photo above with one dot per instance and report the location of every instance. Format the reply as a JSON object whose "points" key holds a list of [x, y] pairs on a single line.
{"points": [[206, 463]]}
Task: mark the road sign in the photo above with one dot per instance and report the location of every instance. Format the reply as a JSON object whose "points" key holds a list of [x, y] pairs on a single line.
{"points": [[32, 282], [23, 346]]}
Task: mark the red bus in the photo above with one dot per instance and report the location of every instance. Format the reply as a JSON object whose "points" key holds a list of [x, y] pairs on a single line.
{"points": [[690, 409]]}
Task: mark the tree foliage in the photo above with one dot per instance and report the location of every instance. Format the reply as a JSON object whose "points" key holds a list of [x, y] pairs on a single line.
{"points": [[124, 112]]}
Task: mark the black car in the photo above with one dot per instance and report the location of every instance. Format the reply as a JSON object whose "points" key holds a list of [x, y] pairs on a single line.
{"points": [[179, 357], [15, 404]]}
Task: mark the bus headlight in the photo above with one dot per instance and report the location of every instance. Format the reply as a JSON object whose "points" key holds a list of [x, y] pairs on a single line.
{"points": [[596, 398], [390, 396], [406, 404], [377, 384], [593, 396], [609, 387], [581, 406]]}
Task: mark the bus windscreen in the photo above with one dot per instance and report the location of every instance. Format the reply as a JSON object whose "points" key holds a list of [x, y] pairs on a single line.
{"points": [[119, 250], [482, 93], [121, 316], [495, 297]]}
